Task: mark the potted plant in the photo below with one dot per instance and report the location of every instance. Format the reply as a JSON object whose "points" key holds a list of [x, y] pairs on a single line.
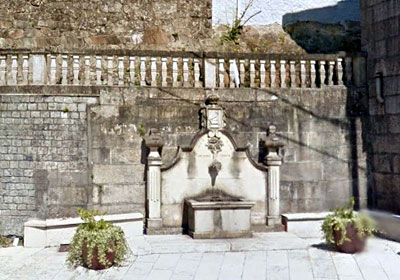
{"points": [[347, 230], [97, 244]]}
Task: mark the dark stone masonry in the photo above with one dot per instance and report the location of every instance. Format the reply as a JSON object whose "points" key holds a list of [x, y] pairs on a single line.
{"points": [[381, 39], [43, 156]]}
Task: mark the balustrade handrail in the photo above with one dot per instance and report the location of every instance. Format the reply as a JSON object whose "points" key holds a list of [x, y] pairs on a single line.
{"points": [[119, 67], [193, 54]]}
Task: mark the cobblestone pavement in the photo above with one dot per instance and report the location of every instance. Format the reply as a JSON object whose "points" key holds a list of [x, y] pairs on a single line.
{"points": [[277, 256]]}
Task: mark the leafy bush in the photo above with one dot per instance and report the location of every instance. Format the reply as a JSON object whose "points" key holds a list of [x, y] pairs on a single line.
{"points": [[3, 241], [99, 234], [338, 221]]}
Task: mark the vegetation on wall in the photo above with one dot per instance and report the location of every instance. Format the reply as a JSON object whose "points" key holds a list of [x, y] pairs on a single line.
{"points": [[234, 32]]}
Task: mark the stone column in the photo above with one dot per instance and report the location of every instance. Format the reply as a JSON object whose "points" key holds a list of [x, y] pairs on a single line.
{"points": [[273, 160], [153, 216]]}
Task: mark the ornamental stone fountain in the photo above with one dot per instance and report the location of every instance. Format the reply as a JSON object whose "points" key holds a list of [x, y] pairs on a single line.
{"points": [[213, 188]]}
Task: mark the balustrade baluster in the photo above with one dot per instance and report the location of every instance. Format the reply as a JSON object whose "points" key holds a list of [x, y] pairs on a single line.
{"points": [[252, 73], [164, 72], [14, 70], [322, 73], [132, 70], [3, 69], [339, 68], [221, 72], [313, 73], [153, 69], [53, 69], [121, 71], [273, 73], [76, 69], [242, 71], [110, 70], [283, 73], [98, 70], [197, 83], [262, 74], [143, 71], [87, 70], [25, 69], [174, 72], [330, 74], [185, 72], [232, 73], [303, 74], [64, 70], [292, 70]]}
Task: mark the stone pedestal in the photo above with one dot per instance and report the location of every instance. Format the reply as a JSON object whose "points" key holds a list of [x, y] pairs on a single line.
{"points": [[153, 200]]}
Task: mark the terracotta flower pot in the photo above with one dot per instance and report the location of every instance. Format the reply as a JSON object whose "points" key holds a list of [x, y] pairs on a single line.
{"points": [[95, 262], [354, 244]]}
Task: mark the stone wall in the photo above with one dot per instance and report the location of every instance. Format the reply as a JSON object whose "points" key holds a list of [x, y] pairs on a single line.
{"points": [[55, 159], [43, 157], [94, 23], [381, 39]]}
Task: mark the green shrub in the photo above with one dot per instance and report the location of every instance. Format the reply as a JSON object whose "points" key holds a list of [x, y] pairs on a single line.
{"points": [[338, 221], [97, 234], [3, 241]]}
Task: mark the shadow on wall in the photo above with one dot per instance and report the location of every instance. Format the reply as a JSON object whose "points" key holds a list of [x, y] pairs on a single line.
{"points": [[343, 10], [326, 30]]}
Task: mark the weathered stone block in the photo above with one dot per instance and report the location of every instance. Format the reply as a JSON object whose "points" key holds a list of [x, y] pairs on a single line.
{"points": [[305, 171], [126, 155], [101, 155], [116, 194], [396, 164], [67, 196], [382, 163], [118, 174], [392, 104], [336, 171]]}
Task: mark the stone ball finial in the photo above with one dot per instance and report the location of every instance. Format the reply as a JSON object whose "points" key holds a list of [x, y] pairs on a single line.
{"points": [[212, 99], [272, 130], [154, 139]]}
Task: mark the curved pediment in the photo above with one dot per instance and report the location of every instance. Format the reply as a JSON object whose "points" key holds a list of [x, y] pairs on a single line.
{"points": [[203, 134]]}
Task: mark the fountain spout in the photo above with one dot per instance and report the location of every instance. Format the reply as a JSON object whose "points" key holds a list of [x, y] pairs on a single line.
{"points": [[214, 169]]}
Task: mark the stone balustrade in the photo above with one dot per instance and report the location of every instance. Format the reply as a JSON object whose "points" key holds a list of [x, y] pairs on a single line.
{"points": [[174, 69]]}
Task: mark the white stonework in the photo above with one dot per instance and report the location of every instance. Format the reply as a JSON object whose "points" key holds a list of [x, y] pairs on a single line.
{"points": [[39, 64], [53, 232], [286, 11], [190, 177], [210, 73], [305, 225]]}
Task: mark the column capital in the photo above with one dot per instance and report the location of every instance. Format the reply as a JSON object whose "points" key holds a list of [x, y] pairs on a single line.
{"points": [[273, 145]]}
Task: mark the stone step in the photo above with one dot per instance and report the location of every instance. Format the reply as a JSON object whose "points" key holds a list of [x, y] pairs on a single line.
{"points": [[305, 225]]}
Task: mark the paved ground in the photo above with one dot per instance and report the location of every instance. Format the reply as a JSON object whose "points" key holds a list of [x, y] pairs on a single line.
{"points": [[267, 256]]}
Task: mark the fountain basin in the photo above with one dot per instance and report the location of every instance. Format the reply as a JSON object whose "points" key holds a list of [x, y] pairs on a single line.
{"points": [[219, 219]]}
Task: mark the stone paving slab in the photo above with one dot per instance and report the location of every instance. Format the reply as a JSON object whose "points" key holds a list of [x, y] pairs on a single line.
{"points": [[285, 258], [152, 244]]}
